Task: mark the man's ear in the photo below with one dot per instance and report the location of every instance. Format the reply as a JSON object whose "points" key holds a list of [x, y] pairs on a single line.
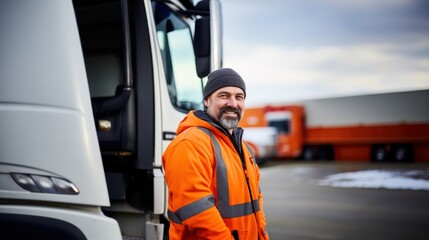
{"points": [[206, 102]]}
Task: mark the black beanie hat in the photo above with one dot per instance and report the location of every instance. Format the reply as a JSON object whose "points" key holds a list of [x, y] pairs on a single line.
{"points": [[223, 77]]}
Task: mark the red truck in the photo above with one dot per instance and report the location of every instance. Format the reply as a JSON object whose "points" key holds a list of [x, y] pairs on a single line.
{"points": [[379, 127]]}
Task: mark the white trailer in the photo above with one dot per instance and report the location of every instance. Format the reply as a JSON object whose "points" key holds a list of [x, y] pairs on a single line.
{"points": [[384, 108]]}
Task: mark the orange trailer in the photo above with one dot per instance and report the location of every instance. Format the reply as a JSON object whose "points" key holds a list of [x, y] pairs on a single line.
{"points": [[379, 127]]}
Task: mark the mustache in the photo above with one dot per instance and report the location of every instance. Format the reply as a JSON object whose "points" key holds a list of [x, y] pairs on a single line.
{"points": [[230, 109]]}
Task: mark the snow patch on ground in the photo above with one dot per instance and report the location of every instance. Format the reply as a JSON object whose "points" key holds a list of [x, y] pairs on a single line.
{"points": [[411, 180]]}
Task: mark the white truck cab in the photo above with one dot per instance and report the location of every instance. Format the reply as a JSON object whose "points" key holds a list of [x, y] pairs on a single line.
{"points": [[91, 93]]}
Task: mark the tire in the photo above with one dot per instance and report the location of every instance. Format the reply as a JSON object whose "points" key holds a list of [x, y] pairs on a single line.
{"points": [[308, 153], [379, 153], [402, 153]]}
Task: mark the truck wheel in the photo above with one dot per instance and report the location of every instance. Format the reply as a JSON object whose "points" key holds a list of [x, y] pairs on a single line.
{"points": [[379, 153], [402, 153], [308, 153]]}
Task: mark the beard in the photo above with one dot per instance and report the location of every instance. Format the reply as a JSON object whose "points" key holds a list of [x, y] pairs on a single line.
{"points": [[229, 122]]}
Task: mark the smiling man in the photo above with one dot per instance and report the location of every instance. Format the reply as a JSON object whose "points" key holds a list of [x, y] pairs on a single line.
{"points": [[211, 174], [224, 96]]}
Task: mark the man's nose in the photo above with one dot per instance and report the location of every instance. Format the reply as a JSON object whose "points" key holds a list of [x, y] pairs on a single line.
{"points": [[232, 102]]}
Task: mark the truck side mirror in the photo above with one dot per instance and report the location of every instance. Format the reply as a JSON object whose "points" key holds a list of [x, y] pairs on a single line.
{"points": [[202, 46], [208, 37]]}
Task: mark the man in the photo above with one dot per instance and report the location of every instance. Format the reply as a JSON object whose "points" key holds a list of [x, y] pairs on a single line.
{"points": [[212, 177]]}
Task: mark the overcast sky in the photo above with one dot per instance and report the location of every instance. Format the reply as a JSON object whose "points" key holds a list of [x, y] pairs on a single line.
{"points": [[298, 50]]}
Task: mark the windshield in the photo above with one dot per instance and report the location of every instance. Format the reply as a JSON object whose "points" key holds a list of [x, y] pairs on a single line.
{"points": [[175, 41], [279, 120], [282, 126]]}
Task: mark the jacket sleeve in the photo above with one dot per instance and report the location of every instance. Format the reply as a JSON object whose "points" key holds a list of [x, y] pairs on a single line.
{"points": [[262, 217], [189, 173]]}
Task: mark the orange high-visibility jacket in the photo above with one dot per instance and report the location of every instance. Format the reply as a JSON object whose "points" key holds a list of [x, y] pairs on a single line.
{"points": [[208, 186]]}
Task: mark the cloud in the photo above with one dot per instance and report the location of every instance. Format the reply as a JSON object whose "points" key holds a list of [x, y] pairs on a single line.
{"points": [[334, 70], [310, 23], [294, 50]]}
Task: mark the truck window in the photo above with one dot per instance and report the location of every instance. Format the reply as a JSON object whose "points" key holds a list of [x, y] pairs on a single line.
{"points": [[282, 126], [280, 120], [175, 41]]}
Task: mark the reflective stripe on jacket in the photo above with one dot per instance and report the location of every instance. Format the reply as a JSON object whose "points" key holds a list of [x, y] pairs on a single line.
{"points": [[209, 196]]}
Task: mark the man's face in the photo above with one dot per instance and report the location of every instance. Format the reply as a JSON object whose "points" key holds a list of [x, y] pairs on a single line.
{"points": [[226, 105]]}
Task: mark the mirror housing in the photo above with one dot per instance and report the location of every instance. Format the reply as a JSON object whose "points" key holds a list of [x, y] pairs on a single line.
{"points": [[208, 37]]}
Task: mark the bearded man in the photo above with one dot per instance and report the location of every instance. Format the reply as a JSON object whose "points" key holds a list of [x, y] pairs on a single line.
{"points": [[211, 173]]}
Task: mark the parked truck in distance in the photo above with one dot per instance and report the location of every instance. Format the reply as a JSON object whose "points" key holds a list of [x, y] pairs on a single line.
{"points": [[378, 127]]}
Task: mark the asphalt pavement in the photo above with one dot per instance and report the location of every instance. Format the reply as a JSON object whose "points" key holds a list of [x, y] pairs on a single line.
{"points": [[391, 203]]}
